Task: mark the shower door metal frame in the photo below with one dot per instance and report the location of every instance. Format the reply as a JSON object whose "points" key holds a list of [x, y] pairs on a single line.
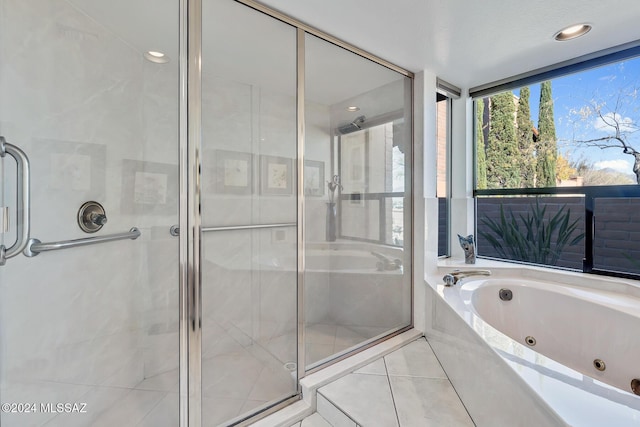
{"points": [[189, 166], [190, 341]]}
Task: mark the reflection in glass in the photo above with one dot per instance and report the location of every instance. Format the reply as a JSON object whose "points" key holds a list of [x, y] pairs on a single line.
{"points": [[357, 286], [249, 293]]}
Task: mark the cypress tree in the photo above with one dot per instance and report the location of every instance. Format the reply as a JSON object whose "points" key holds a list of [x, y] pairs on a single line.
{"points": [[525, 140], [546, 149], [503, 170], [481, 159]]}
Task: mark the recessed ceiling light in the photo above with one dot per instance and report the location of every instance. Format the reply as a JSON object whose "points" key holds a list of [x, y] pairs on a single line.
{"points": [[353, 108], [572, 32], [155, 56]]}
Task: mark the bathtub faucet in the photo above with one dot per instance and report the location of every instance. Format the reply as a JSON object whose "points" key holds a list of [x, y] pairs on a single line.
{"points": [[454, 277], [386, 263]]}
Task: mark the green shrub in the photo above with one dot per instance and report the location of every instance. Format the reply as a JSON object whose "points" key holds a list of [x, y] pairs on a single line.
{"points": [[532, 238]]}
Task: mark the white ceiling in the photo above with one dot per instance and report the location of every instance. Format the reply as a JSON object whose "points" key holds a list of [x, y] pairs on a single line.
{"points": [[467, 43], [242, 45], [473, 42]]}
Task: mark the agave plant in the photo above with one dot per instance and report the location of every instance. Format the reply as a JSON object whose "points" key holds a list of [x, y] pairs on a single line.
{"points": [[532, 238], [632, 260]]}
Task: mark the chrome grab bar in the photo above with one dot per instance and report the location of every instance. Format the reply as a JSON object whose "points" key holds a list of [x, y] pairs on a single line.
{"points": [[35, 246], [23, 200], [248, 227]]}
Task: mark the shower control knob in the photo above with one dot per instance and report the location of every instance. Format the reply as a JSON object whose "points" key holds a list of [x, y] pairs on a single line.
{"points": [[98, 219], [91, 217]]}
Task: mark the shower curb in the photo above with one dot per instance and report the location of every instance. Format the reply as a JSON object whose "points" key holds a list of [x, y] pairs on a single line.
{"points": [[298, 411]]}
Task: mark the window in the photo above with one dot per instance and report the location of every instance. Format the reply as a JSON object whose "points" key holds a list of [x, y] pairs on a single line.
{"points": [[443, 137], [558, 171]]}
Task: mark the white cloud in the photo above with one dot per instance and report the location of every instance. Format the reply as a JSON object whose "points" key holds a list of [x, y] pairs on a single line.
{"points": [[617, 165], [605, 124], [609, 78]]}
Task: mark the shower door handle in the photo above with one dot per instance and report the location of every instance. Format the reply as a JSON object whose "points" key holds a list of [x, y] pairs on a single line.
{"points": [[23, 203]]}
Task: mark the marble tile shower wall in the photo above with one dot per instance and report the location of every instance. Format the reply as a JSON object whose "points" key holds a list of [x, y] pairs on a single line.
{"points": [[247, 293], [244, 120], [161, 292], [94, 119], [241, 118], [318, 142]]}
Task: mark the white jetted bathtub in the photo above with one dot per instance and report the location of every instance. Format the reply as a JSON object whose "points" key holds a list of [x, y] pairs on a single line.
{"points": [[596, 333], [577, 348]]}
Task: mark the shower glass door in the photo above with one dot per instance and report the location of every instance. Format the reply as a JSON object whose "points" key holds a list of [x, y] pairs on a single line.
{"points": [[358, 249], [89, 335], [248, 193]]}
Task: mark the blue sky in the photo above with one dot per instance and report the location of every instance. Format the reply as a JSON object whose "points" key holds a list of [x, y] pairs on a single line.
{"points": [[602, 86]]}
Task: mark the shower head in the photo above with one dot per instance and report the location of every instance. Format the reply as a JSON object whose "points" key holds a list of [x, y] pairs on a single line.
{"points": [[353, 126]]}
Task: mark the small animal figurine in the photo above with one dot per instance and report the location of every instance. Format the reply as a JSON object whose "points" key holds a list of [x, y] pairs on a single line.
{"points": [[469, 248]]}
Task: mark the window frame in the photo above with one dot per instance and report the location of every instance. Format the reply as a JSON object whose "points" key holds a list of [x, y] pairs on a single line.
{"points": [[579, 64]]}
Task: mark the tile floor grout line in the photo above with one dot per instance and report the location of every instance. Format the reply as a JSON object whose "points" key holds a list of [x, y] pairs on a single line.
{"points": [[255, 384], [106, 411], [335, 405], [101, 412], [148, 412], [417, 376], [152, 409], [393, 399], [452, 386], [32, 382], [168, 371]]}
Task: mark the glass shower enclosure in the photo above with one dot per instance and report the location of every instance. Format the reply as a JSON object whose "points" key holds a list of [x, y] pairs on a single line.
{"points": [[357, 178], [89, 319], [201, 202], [249, 216]]}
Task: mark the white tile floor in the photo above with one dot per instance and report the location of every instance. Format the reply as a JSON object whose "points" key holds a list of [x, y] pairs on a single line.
{"points": [[239, 375], [406, 388], [314, 420], [323, 340]]}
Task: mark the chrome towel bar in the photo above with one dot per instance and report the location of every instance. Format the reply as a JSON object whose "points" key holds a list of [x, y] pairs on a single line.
{"points": [[35, 246], [248, 227]]}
